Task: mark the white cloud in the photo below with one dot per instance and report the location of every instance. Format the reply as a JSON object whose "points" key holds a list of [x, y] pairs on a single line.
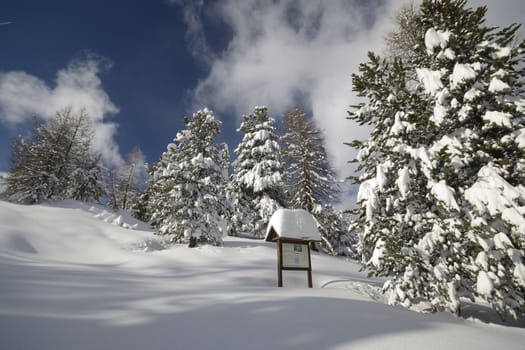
{"points": [[23, 96], [289, 52]]}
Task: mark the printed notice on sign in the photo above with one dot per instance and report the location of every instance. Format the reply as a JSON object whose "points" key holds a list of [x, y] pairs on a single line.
{"points": [[295, 255]]}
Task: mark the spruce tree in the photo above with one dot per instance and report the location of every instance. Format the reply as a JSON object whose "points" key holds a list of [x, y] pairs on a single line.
{"points": [[187, 193], [258, 175], [442, 194]]}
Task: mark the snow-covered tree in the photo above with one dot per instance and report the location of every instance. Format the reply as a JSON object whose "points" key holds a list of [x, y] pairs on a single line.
{"points": [[442, 196], [333, 226], [128, 180], [257, 179], [153, 203], [56, 161], [187, 192]]}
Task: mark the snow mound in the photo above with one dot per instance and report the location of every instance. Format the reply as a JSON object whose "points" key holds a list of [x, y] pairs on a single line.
{"points": [[76, 236], [122, 218]]}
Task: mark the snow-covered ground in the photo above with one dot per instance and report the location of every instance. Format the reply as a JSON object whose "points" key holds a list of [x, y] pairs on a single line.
{"points": [[77, 276]]}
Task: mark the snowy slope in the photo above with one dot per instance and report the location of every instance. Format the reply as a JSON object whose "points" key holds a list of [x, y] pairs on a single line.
{"points": [[72, 277]]}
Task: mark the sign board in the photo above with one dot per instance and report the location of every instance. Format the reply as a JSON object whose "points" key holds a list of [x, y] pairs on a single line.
{"points": [[295, 255]]}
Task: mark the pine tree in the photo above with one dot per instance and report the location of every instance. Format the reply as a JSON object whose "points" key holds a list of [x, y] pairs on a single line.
{"points": [[187, 193], [442, 192], [258, 174], [128, 181], [56, 162]]}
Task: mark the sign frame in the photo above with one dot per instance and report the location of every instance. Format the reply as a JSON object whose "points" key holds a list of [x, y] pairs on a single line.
{"points": [[288, 258]]}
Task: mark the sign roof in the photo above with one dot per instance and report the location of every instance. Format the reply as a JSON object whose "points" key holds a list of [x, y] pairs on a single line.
{"points": [[293, 224]]}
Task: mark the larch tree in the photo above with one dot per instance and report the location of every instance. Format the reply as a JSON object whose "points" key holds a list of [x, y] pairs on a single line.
{"points": [[56, 161], [310, 178], [442, 190], [257, 179]]}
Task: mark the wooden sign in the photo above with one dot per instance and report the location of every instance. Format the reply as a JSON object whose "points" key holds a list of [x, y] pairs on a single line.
{"points": [[293, 230]]}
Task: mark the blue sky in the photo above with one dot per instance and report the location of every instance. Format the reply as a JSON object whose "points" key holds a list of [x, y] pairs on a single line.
{"points": [[139, 66], [144, 65]]}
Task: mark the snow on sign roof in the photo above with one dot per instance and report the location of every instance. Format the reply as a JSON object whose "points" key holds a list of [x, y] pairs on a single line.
{"points": [[293, 224]]}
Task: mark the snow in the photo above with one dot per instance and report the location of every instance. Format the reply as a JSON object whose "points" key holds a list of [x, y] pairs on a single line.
{"points": [[493, 195], [501, 241], [367, 193], [381, 176], [431, 80], [436, 38], [482, 259], [520, 137], [496, 85], [501, 52], [484, 284], [293, 223], [379, 250], [69, 280], [461, 74], [431, 239], [472, 94], [403, 181], [446, 54], [444, 194], [439, 114], [398, 126], [416, 153], [519, 273], [498, 118]]}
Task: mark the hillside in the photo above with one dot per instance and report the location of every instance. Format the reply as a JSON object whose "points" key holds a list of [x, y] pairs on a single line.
{"points": [[76, 276]]}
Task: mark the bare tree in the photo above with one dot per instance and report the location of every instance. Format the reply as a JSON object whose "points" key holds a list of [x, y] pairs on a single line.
{"points": [[128, 180], [401, 41]]}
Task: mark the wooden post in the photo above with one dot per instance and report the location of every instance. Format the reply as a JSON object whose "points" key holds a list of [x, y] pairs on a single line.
{"points": [[309, 268], [279, 263]]}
